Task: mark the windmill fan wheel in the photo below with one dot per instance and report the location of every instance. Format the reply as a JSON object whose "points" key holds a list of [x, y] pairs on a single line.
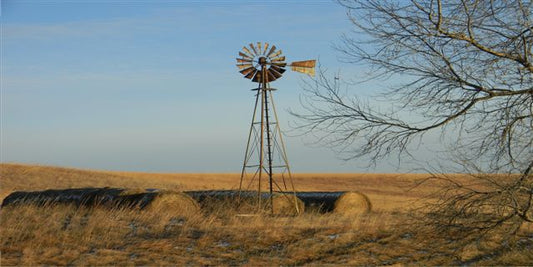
{"points": [[261, 62]]}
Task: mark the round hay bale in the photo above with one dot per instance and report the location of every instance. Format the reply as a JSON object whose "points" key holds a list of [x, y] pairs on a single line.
{"points": [[173, 203], [287, 204], [353, 203]]}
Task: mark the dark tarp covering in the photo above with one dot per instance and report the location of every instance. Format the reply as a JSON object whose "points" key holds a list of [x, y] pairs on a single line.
{"points": [[81, 197], [320, 201]]}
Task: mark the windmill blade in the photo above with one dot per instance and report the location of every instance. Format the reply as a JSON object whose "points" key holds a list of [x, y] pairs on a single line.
{"points": [[266, 48], [244, 60], [270, 76], [253, 48], [272, 49], [279, 64], [247, 51], [242, 66], [278, 59], [259, 47], [274, 72], [277, 69], [306, 70], [304, 64], [247, 70], [257, 78], [275, 54], [251, 74], [245, 56]]}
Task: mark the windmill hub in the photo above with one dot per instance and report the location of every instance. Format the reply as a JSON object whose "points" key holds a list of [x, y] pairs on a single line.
{"points": [[262, 61]]}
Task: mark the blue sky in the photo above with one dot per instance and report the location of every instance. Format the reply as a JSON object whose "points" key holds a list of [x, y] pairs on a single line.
{"points": [[152, 85]]}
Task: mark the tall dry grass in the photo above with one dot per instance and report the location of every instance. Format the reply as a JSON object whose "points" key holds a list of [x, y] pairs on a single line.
{"points": [[66, 235]]}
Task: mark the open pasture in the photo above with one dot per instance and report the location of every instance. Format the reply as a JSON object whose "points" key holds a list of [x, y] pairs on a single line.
{"points": [[65, 235]]}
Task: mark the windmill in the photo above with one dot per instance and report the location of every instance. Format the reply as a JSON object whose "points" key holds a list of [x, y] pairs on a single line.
{"points": [[265, 153]]}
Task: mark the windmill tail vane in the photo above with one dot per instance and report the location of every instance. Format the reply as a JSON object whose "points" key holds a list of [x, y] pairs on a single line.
{"points": [[265, 155], [306, 66]]}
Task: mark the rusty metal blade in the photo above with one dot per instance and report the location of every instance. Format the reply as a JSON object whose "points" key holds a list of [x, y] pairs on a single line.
{"points": [[257, 77], [266, 48], [259, 47], [247, 51], [305, 63], [244, 60], [247, 70], [270, 76], [272, 49], [242, 66], [253, 48], [274, 72], [245, 55], [278, 59], [306, 70], [277, 69], [279, 64], [277, 53], [251, 74]]}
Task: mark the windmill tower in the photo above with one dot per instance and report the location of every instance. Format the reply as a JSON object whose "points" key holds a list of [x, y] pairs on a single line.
{"points": [[266, 166]]}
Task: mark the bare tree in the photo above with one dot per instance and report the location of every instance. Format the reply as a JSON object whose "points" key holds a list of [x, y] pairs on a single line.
{"points": [[460, 67]]}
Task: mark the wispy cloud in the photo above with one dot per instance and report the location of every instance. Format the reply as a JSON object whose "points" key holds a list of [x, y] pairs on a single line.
{"points": [[91, 29]]}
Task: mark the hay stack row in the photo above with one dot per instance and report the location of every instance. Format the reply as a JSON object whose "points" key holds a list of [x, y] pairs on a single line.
{"points": [[348, 203], [148, 200]]}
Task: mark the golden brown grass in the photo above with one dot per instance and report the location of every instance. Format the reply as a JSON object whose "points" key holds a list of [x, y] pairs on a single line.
{"points": [[65, 235]]}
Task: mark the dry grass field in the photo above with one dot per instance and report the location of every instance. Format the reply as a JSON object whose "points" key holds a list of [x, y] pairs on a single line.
{"points": [[65, 235]]}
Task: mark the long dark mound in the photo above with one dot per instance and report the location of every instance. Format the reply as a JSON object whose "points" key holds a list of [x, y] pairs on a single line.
{"points": [[203, 195], [282, 203], [81, 197], [319, 201]]}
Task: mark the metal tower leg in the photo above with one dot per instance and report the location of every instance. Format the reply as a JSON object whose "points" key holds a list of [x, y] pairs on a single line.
{"points": [[266, 142]]}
